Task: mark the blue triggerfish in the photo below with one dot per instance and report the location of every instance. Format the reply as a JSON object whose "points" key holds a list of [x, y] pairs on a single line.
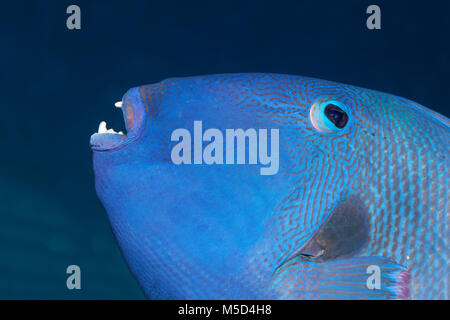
{"points": [[267, 186]]}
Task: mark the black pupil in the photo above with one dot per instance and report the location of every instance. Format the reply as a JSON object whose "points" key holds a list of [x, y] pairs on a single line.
{"points": [[336, 115]]}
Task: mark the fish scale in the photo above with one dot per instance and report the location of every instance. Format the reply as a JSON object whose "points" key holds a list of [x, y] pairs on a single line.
{"points": [[413, 224]]}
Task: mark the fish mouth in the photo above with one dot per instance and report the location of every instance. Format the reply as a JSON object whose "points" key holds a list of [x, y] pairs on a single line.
{"points": [[133, 111]]}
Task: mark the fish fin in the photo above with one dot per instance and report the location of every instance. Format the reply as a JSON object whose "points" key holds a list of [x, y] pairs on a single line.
{"points": [[342, 234], [349, 278]]}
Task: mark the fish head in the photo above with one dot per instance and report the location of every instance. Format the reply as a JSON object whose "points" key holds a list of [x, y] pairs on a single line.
{"points": [[199, 228]]}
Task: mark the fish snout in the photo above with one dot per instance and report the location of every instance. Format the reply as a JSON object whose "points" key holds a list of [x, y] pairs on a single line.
{"points": [[134, 110]]}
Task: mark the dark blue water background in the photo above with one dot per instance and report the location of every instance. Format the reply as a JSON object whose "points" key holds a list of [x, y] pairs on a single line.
{"points": [[57, 85]]}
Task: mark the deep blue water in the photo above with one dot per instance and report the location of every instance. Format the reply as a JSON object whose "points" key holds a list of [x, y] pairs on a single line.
{"points": [[57, 85]]}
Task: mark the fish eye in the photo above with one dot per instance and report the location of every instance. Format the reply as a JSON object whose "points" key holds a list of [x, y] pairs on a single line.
{"points": [[336, 115], [329, 115]]}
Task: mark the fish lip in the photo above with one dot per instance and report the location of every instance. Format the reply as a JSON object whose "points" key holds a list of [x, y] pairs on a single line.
{"points": [[108, 142], [133, 111]]}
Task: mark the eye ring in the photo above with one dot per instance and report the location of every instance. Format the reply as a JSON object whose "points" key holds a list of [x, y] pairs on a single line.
{"points": [[329, 115]]}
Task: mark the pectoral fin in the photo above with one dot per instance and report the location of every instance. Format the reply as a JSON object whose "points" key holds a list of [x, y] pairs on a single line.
{"points": [[354, 278]]}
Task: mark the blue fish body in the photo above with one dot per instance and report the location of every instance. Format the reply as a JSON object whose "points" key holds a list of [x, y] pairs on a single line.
{"points": [[360, 191]]}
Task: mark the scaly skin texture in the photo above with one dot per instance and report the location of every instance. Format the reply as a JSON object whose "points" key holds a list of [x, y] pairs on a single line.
{"points": [[225, 231]]}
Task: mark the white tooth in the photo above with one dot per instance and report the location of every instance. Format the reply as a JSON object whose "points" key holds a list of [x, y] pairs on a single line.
{"points": [[102, 127], [120, 132], [118, 104]]}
